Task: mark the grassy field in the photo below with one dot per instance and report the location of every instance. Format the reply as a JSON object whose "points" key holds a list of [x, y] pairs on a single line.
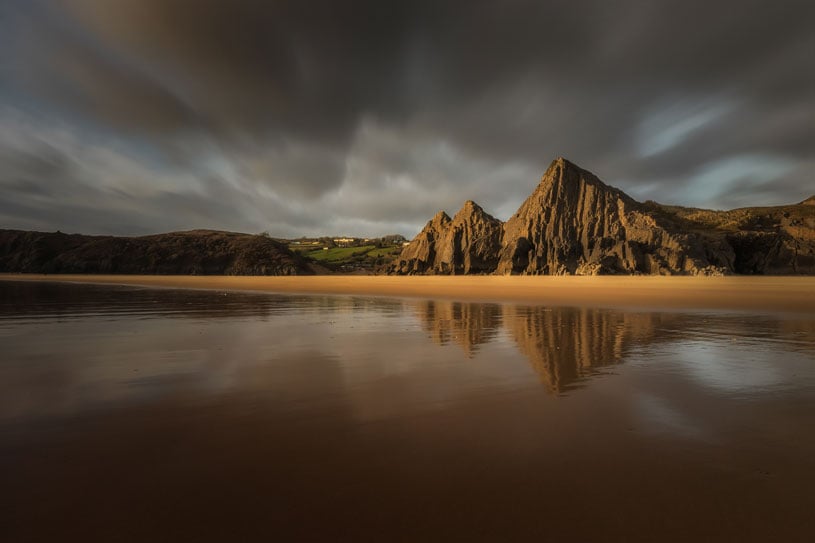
{"points": [[363, 257], [338, 254]]}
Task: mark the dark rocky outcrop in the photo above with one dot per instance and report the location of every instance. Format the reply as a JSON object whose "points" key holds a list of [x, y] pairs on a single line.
{"points": [[765, 240], [574, 224], [772, 253], [466, 244], [197, 252]]}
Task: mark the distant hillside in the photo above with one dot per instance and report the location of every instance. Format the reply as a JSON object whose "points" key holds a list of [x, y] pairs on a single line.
{"points": [[196, 252], [574, 224], [349, 255]]}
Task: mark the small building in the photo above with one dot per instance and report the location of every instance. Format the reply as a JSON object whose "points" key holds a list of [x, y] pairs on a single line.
{"points": [[344, 242]]}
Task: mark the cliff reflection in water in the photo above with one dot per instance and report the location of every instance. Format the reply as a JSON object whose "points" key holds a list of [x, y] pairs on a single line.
{"points": [[468, 325], [566, 345], [563, 345]]}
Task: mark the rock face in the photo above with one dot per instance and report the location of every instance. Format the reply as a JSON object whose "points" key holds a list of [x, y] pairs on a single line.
{"points": [[198, 252], [772, 253], [466, 244], [574, 224], [765, 240]]}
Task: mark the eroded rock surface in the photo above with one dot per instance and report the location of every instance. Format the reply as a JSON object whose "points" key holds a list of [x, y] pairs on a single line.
{"points": [[574, 224], [466, 244]]}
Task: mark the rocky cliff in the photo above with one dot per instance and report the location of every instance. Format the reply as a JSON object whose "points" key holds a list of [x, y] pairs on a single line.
{"points": [[466, 244], [776, 240], [574, 224], [199, 252]]}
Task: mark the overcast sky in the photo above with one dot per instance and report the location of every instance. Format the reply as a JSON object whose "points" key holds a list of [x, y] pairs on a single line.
{"points": [[367, 117]]}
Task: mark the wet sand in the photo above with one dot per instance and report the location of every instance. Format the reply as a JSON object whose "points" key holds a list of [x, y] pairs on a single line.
{"points": [[156, 414], [777, 294]]}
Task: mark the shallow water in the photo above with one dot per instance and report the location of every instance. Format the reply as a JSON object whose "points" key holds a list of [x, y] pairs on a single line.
{"points": [[135, 414]]}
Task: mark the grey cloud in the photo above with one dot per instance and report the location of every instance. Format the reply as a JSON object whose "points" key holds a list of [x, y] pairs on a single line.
{"points": [[313, 116]]}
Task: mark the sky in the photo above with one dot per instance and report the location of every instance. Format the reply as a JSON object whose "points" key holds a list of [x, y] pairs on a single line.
{"points": [[363, 117]]}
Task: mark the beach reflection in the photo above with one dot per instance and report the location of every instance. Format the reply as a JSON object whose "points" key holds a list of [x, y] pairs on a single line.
{"points": [[567, 346], [564, 346], [71, 345], [466, 324], [219, 416]]}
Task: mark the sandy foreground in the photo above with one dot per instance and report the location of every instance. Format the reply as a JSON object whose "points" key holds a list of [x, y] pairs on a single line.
{"points": [[793, 294]]}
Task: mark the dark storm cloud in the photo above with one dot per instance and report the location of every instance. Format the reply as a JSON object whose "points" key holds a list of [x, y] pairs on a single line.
{"points": [[365, 116], [285, 69]]}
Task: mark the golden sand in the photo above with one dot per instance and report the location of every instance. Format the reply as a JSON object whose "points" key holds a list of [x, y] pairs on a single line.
{"points": [[795, 294]]}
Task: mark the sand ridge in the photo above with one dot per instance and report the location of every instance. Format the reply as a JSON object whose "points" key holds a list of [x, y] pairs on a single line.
{"points": [[786, 294]]}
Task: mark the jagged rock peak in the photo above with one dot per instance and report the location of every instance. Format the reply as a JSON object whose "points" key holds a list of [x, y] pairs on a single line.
{"points": [[565, 174], [562, 169], [563, 163], [573, 223], [467, 243], [441, 217], [471, 209]]}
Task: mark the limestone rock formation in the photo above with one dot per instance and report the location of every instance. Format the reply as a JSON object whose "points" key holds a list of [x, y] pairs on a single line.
{"points": [[466, 244], [420, 255], [772, 253], [776, 240], [574, 224]]}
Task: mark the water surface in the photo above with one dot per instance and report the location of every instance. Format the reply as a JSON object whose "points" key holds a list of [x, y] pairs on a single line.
{"points": [[134, 414]]}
